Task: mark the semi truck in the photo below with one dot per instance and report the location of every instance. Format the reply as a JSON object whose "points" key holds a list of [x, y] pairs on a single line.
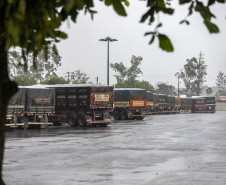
{"points": [[82, 104], [186, 105], [30, 107], [163, 102], [199, 105], [156, 102], [210, 104], [130, 103], [150, 104], [171, 104], [177, 104]]}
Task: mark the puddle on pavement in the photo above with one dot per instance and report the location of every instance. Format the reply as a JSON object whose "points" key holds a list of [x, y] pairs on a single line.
{"points": [[172, 165]]}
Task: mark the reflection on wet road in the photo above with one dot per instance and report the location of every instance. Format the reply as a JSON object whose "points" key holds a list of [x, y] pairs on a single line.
{"points": [[161, 149]]}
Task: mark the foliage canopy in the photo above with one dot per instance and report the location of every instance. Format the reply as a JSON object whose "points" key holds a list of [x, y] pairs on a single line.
{"points": [[193, 75], [221, 84], [33, 25], [42, 70], [164, 88]]}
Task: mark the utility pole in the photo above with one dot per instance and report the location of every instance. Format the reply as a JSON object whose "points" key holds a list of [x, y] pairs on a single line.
{"points": [[68, 75], [178, 75], [178, 86]]}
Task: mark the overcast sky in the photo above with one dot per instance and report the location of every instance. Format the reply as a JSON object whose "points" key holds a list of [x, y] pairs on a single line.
{"points": [[83, 50]]}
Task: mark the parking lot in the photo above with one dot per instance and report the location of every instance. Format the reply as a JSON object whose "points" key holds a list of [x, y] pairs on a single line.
{"points": [[169, 149]]}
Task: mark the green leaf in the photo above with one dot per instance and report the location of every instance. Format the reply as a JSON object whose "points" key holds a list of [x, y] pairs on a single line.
{"points": [[55, 49], [221, 1], [149, 33], [152, 39], [165, 43], [191, 8], [204, 11], [185, 1], [126, 2], [14, 29], [22, 7], [211, 2], [61, 35], [169, 11], [74, 15], [159, 25], [10, 1], [79, 4], [145, 16], [161, 3], [69, 5], [108, 2], [185, 21], [118, 7], [211, 27], [150, 13]]}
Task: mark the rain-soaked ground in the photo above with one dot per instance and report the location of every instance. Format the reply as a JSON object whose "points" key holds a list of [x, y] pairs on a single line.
{"points": [[160, 150]]}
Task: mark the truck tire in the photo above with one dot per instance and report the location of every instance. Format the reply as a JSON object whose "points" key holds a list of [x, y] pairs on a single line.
{"points": [[124, 115], [72, 120], [139, 118], [81, 120], [56, 123], [117, 115]]}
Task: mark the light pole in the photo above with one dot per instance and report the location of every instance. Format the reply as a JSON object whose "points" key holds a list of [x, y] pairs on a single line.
{"points": [[108, 39], [178, 75], [178, 86]]}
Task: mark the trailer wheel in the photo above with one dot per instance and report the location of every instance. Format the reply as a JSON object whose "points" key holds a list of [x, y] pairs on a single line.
{"points": [[124, 115], [56, 123], [72, 121], [81, 120], [139, 118], [116, 115]]}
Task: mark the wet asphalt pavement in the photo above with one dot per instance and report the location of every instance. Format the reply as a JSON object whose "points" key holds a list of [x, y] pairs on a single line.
{"points": [[179, 149]]}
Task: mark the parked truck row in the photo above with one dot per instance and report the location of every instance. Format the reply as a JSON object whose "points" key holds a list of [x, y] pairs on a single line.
{"points": [[36, 106], [82, 104]]}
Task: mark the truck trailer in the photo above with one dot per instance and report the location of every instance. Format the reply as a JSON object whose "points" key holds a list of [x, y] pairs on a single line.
{"points": [[82, 104], [177, 104], [130, 103], [163, 103], [150, 104], [186, 105], [155, 103], [30, 107], [199, 105], [171, 104]]}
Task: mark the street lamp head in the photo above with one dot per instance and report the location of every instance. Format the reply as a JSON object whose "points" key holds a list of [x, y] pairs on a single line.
{"points": [[108, 39], [112, 40]]}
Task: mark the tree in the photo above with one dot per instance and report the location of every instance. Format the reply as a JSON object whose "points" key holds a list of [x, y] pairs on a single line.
{"points": [[135, 84], [25, 80], [155, 7], [163, 88], [55, 80], [79, 78], [33, 25], [122, 71], [127, 77], [44, 68], [209, 90], [221, 84], [127, 74], [193, 75]]}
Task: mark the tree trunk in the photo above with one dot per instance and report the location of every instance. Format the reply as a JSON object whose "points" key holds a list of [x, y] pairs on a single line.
{"points": [[7, 89]]}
